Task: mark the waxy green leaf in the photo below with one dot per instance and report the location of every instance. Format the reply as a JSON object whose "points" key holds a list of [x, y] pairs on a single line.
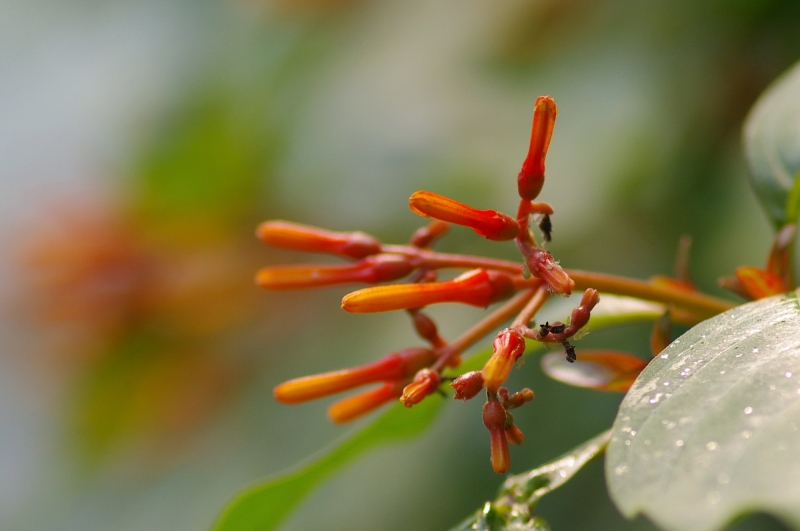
{"points": [[265, 505], [772, 145], [711, 428]]}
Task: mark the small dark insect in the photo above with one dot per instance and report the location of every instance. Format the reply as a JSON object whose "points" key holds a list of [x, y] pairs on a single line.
{"points": [[546, 227], [557, 328], [571, 356]]}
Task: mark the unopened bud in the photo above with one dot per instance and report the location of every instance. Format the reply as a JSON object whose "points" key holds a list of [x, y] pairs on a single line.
{"points": [[531, 176], [514, 435], [370, 270], [467, 385], [580, 315], [477, 288], [519, 398], [425, 236], [758, 283], [494, 418], [508, 346], [542, 265], [487, 223], [288, 235], [425, 382]]}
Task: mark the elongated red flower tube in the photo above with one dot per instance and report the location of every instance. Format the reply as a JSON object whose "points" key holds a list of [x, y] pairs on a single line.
{"points": [[355, 406], [508, 346], [477, 288], [370, 270], [488, 223], [396, 366], [494, 418], [531, 177], [288, 235]]}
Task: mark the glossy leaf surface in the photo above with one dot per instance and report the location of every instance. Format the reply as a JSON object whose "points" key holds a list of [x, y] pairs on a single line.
{"points": [[710, 429], [772, 145]]}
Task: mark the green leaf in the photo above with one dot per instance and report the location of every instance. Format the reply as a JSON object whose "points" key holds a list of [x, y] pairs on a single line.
{"points": [[711, 428], [265, 505], [519, 494], [772, 146]]}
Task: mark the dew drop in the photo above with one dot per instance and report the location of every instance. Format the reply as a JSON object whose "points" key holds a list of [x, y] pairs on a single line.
{"points": [[755, 350], [679, 443], [746, 434], [722, 372], [633, 433], [711, 446], [621, 469], [788, 375], [748, 410], [714, 497], [627, 442], [665, 356], [562, 473], [647, 442]]}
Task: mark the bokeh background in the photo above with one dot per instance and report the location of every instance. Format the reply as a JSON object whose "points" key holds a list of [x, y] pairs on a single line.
{"points": [[142, 141]]}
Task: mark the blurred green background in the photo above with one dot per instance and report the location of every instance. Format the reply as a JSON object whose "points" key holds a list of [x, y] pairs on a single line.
{"points": [[141, 143]]}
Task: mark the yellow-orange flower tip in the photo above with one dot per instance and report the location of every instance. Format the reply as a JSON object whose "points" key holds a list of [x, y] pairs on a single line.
{"points": [[514, 435], [672, 283], [758, 283], [370, 270], [542, 265], [395, 366], [288, 235], [519, 398], [531, 176], [487, 223], [508, 346], [425, 382], [355, 406], [477, 288], [494, 418], [467, 385]]}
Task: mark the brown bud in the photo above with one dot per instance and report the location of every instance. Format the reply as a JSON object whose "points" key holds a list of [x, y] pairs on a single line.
{"points": [[467, 385]]}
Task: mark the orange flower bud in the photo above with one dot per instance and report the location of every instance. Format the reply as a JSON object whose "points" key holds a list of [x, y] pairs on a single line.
{"points": [[395, 366], [353, 407], [514, 435], [467, 385], [494, 418], [519, 398], [580, 315], [288, 235], [370, 270], [508, 346], [531, 176], [488, 223], [477, 287], [758, 283], [542, 265], [425, 236], [425, 382]]}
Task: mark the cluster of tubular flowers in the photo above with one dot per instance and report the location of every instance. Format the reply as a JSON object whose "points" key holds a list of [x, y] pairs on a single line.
{"points": [[412, 374]]}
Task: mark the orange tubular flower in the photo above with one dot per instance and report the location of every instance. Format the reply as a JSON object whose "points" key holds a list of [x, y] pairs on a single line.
{"points": [[288, 235], [494, 418], [396, 366], [514, 435], [758, 283], [531, 176], [477, 288], [425, 382], [488, 223], [370, 270], [508, 347], [353, 407]]}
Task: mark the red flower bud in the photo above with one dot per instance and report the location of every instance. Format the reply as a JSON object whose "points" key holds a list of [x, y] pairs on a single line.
{"points": [[467, 385], [353, 407], [396, 366], [477, 287], [494, 418], [580, 315], [542, 265], [519, 398], [487, 223], [425, 382], [508, 346], [425, 236], [288, 235], [531, 176], [370, 270]]}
